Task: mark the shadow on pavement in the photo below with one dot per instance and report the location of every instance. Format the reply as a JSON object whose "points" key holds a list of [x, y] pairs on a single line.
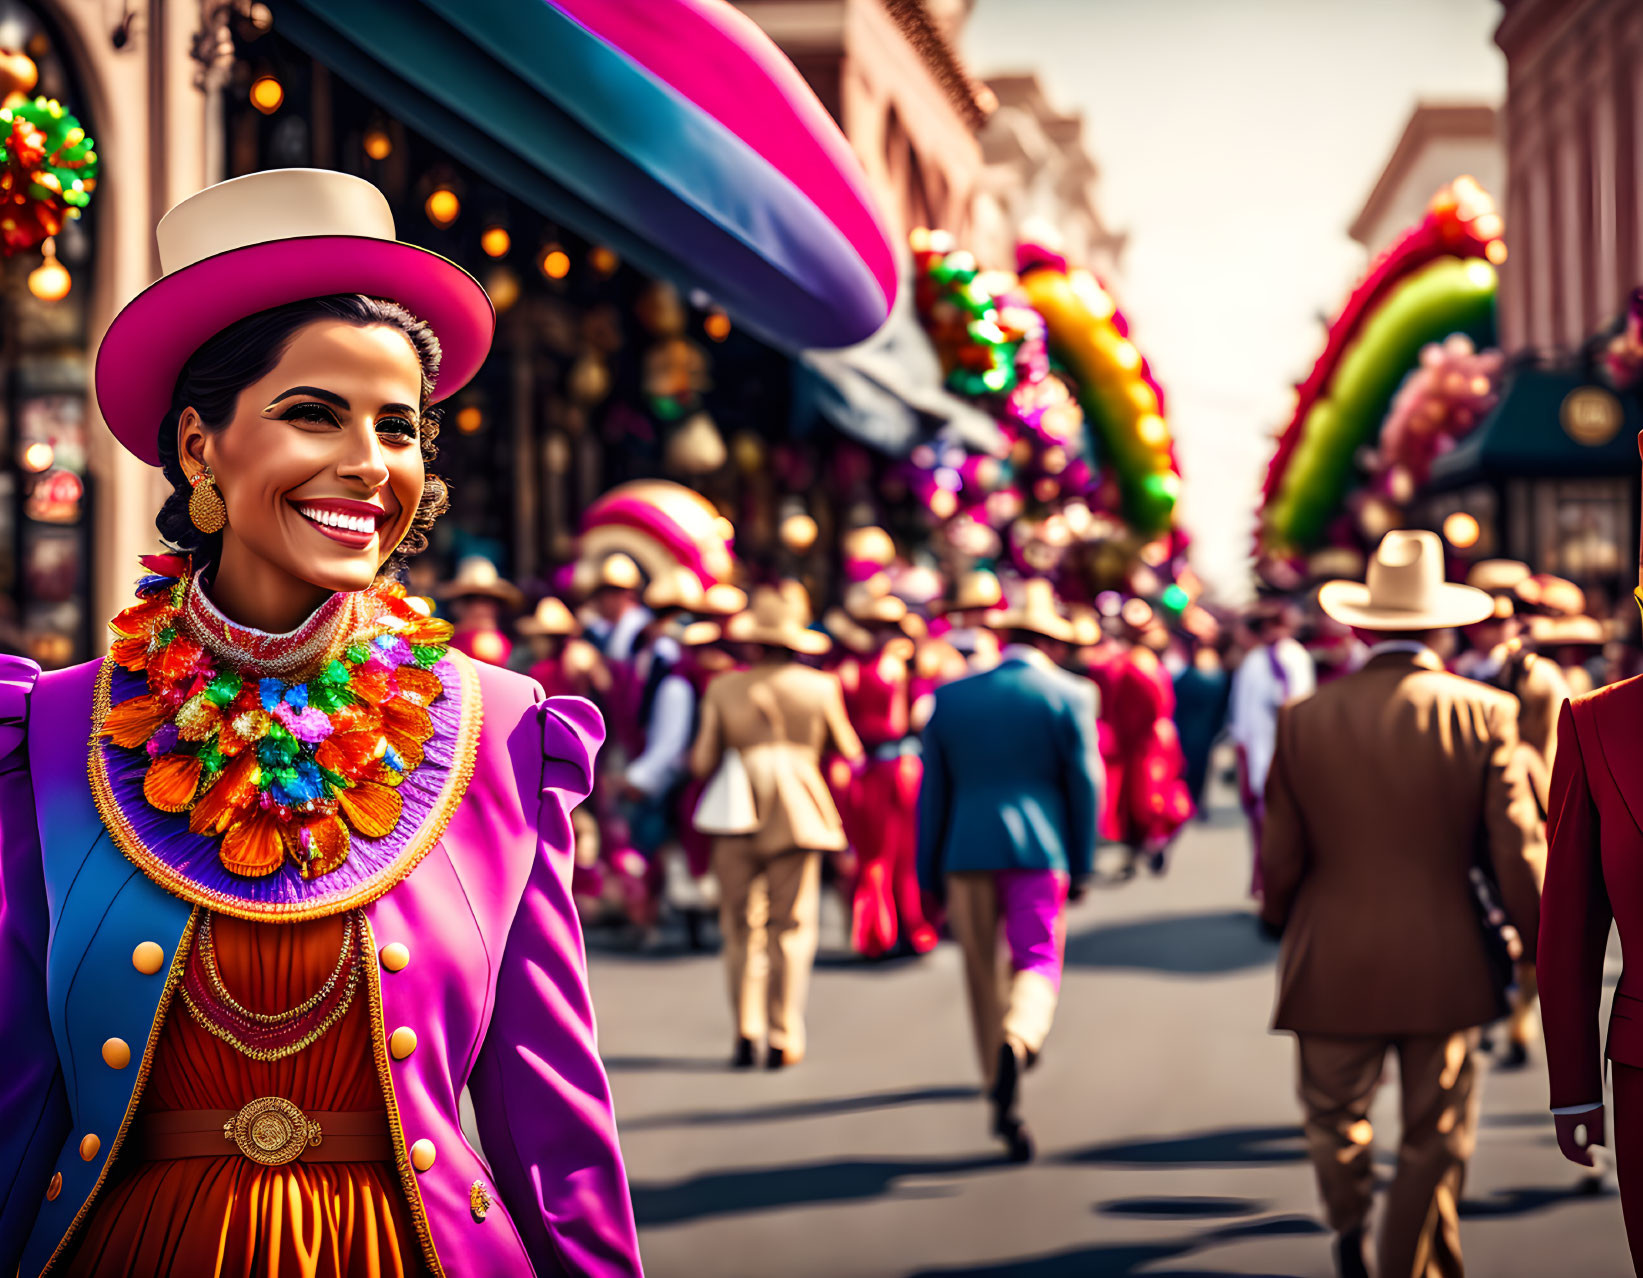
{"points": [[824, 1107], [1227, 1146], [734, 1193], [1530, 1199], [1184, 1207], [667, 1064], [1185, 944], [1119, 1260]]}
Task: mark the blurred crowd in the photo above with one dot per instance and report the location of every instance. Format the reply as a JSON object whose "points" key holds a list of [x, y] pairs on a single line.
{"points": [[1169, 695]]}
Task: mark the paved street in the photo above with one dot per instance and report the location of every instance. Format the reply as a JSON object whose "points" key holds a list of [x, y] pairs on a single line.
{"points": [[1167, 1131]]}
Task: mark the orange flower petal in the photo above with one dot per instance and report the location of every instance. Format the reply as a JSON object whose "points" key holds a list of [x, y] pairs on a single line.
{"points": [[131, 723], [170, 782], [327, 845], [370, 808], [401, 717], [419, 687], [370, 686], [142, 619], [130, 653], [232, 793], [350, 753], [409, 749], [253, 848]]}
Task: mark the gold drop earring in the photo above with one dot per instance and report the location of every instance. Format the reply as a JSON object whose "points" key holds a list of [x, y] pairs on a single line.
{"points": [[205, 504]]}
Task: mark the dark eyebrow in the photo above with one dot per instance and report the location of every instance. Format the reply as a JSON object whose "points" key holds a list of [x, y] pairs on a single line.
{"points": [[330, 397], [399, 408]]}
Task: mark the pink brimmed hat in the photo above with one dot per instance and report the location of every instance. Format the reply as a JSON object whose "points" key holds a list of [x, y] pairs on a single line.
{"points": [[260, 241]]}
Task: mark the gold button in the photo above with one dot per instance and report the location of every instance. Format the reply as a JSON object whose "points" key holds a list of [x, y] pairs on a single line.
{"points": [[395, 956], [89, 1145], [148, 958], [402, 1042], [116, 1053], [56, 1187], [422, 1155]]}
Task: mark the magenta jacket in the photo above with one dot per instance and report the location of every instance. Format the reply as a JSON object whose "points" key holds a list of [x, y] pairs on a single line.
{"points": [[495, 987]]}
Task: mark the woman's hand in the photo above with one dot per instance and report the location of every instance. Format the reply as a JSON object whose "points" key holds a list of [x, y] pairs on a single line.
{"points": [[1577, 1133]]}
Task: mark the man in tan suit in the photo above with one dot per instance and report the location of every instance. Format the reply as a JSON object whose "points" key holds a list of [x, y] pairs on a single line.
{"points": [[1388, 786], [780, 716]]}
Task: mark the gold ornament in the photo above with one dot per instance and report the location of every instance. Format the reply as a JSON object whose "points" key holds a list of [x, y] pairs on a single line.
{"points": [[205, 504]]}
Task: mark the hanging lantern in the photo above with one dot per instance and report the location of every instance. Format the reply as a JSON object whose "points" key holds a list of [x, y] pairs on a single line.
{"points": [[442, 206], [50, 281], [267, 94]]}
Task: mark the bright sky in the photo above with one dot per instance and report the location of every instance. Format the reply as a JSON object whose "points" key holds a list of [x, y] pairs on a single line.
{"points": [[1237, 139]]}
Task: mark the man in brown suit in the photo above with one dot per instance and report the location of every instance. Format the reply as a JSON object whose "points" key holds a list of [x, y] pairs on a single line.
{"points": [[1388, 786], [780, 716]]}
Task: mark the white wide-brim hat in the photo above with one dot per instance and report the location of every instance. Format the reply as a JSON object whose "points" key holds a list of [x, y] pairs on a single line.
{"points": [[264, 240], [1405, 590]]}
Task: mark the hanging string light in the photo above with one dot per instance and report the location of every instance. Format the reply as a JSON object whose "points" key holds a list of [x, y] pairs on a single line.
{"points": [[267, 94], [442, 206]]}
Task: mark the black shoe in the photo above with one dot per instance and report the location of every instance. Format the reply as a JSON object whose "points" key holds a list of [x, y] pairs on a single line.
{"points": [[1516, 1057], [775, 1058], [1155, 863], [1349, 1255], [743, 1059], [1018, 1141]]}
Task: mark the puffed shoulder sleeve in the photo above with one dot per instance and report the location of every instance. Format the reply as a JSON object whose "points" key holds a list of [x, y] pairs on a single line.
{"points": [[32, 1096], [540, 1093]]}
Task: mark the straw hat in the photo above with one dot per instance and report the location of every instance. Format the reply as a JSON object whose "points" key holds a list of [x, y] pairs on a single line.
{"points": [[678, 588], [264, 240], [477, 575], [698, 634], [1405, 590], [1554, 596], [976, 591], [867, 606], [613, 572], [1497, 575], [721, 600], [1558, 632], [1037, 612], [772, 619], [838, 623], [550, 618]]}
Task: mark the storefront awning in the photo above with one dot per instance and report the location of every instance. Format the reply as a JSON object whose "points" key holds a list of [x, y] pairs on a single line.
{"points": [[1548, 423], [887, 391], [672, 131]]}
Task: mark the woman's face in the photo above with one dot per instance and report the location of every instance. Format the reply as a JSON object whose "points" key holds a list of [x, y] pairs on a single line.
{"points": [[320, 468]]}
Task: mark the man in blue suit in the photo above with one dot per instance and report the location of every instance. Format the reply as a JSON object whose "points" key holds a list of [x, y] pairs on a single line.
{"points": [[1007, 829]]}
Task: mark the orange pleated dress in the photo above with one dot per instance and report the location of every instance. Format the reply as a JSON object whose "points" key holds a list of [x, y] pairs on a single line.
{"points": [[229, 1217]]}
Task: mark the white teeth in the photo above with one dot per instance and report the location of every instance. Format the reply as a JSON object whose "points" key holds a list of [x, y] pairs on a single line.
{"points": [[334, 519]]}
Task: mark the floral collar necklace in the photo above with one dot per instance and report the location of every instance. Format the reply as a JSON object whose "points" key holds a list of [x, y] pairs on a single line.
{"points": [[283, 750]]}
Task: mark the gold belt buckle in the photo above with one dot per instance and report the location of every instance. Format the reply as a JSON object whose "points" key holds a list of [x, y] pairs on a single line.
{"points": [[272, 1131]]}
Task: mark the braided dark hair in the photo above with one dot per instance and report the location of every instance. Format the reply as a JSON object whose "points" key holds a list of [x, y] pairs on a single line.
{"points": [[245, 352]]}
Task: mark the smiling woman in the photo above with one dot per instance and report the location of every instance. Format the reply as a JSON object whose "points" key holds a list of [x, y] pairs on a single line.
{"points": [[312, 421], [352, 845]]}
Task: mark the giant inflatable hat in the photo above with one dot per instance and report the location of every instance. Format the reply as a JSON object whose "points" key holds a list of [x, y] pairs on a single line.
{"points": [[260, 241]]}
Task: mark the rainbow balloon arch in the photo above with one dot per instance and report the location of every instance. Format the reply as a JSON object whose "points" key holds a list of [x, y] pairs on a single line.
{"points": [[1407, 370], [1084, 487]]}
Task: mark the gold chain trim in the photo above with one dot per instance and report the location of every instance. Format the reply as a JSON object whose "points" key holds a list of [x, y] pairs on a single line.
{"points": [[266, 1054], [213, 975], [465, 751], [173, 978], [396, 1129]]}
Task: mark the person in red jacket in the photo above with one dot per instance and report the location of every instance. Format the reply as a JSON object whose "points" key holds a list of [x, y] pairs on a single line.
{"points": [[1594, 883], [1147, 801], [880, 817]]}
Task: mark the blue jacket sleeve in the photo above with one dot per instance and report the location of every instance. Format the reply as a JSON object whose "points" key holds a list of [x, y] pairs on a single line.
{"points": [[1083, 779], [541, 1096], [32, 1097], [933, 796]]}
